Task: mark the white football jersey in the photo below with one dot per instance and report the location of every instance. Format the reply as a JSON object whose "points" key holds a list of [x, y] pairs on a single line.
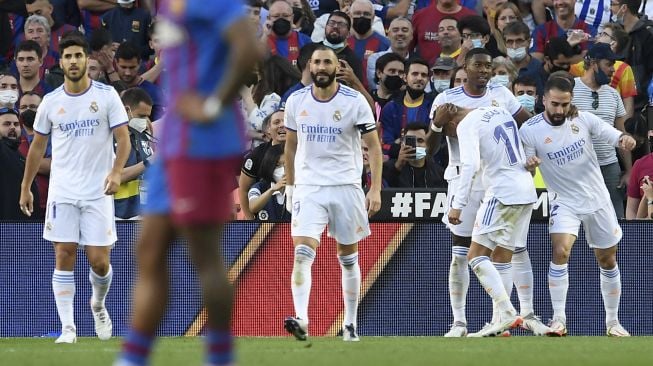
{"points": [[328, 136], [489, 143], [80, 126], [495, 96], [569, 165]]}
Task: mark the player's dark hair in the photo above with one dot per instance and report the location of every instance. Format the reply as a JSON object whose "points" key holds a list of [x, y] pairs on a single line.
{"points": [[73, 38], [559, 83], [27, 46], [476, 51], [127, 51], [132, 97]]}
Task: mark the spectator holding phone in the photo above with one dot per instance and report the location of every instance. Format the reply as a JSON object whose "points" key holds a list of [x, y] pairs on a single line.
{"points": [[647, 201], [414, 167]]}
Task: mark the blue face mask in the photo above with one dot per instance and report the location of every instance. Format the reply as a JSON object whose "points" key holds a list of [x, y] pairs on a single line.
{"points": [[527, 101], [477, 43], [420, 153], [501, 80], [601, 78]]}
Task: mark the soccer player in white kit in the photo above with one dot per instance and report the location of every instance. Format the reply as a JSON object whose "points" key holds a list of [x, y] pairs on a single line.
{"points": [[490, 150], [474, 93], [325, 123], [82, 117], [577, 195]]}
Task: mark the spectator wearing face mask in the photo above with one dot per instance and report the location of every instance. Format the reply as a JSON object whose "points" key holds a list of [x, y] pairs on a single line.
{"points": [[389, 78], [441, 75], [475, 33], [266, 197], [504, 72], [363, 40], [8, 90], [525, 90], [414, 167], [400, 34], [282, 40]]}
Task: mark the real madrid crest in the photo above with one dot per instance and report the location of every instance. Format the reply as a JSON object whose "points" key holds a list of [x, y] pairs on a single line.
{"points": [[574, 128], [94, 107], [337, 116]]}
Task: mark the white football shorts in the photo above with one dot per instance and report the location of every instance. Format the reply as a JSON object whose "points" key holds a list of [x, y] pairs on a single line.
{"points": [[502, 225], [602, 228], [85, 222]]}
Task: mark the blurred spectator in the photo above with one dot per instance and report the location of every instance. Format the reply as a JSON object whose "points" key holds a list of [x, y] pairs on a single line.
{"points": [[623, 79], [524, 89], [28, 61], [127, 66], [593, 94], [8, 90], [12, 16], [363, 40], [254, 10], [449, 39], [475, 33], [104, 50], [366, 179], [517, 38], [129, 196], [427, 27], [400, 34], [389, 78], [13, 167], [154, 65], [458, 77], [319, 32], [266, 197], [249, 173], [504, 71], [642, 168], [506, 13], [29, 101], [127, 23], [411, 105], [42, 180], [647, 200], [527, 13], [277, 75], [441, 73], [566, 25], [414, 167], [303, 18], [639, 53], [37, 29], [336, 33], [57, 27], [94, 69], [92, 11], [302, 64], [282, 40]]}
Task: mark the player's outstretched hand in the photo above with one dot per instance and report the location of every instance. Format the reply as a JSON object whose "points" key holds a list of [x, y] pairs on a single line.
{"points": [[532, 163], [454, 216], [112, 183], [626, 142], [191, 107], [373, 202], [26, 202]]}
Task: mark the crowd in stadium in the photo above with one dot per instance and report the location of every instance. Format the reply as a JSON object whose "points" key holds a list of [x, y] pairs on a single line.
{"points": [[400, 54]]}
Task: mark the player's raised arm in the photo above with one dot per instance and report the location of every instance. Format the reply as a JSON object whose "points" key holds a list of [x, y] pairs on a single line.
{"points": [[243, 56]]}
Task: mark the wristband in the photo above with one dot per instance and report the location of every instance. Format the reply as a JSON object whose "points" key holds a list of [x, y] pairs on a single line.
{"points": [[212, 107], [435, 128]]}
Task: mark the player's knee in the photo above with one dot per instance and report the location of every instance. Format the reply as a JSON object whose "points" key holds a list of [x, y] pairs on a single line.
{"points": [[560, 254], [304, 254], [100, 266], [606, 259], [348, 261], [66, 255]]}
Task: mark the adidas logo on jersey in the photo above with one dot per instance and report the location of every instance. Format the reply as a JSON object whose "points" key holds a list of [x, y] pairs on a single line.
{"points": [[548, 140], [61, 111], [304, 113]]}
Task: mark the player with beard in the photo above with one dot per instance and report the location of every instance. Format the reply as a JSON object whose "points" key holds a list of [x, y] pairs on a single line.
{"points": [[577, 195], [325, 123], [83, 118], [474, 93]]}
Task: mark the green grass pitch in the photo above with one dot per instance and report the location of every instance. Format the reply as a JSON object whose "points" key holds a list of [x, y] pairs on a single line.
{"points": [[527, 351]]}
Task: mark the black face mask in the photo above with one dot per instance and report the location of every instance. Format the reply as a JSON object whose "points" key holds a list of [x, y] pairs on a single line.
{"points": [[297, 14], [362, 25], [553, 68], [281, 27], [251, 79], [414, 93], [393, 82], [11, 143]]}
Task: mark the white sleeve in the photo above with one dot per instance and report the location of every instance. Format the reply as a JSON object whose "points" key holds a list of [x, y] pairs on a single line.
{"points": [[377, 26], [269, 105], [600, 130], [42, 123], [117, 113], [371, 70], [529, 148], [364, 117], [470, 158], [289, 113], [512, 104], [439, 100], [318, 28]]}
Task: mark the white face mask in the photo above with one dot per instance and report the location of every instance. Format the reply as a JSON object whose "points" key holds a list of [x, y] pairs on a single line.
{"points": [[278, 173], [8, 98], [527, 101], [139, 124], [420, 153], [477, 43], [501, 80], [441, 85], [516, 54]]}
